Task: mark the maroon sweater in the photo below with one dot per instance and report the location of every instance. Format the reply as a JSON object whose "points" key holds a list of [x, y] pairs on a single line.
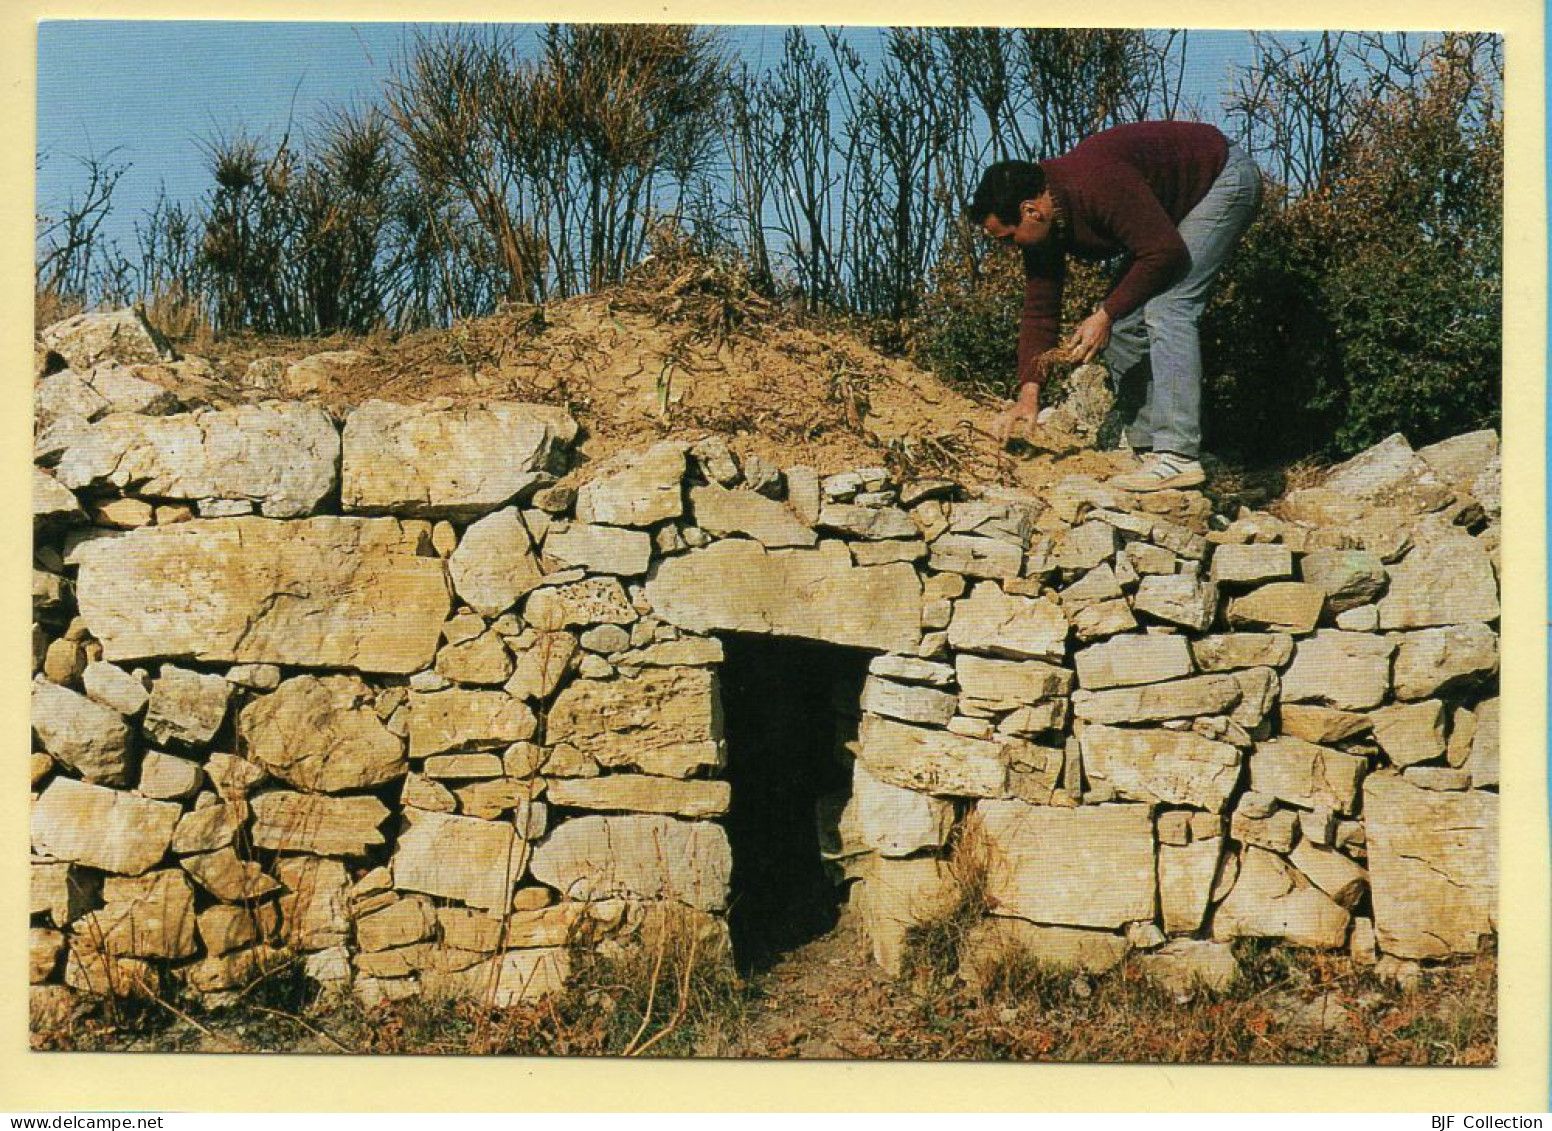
{"points": [[1121, 191]]}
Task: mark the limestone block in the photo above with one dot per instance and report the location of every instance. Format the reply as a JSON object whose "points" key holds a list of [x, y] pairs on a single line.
{"points": [[1483, 763], [317, 824], [1251, 564], [445, 461], [1154, 702], [167, 778], [1102, 619], [1084, 546], [1270, 899], [1242, 650], [1284, 606], [52, 501], [460, 720], [1177, 599], [322, 592], [897, 822], [607, 549], [1086, 867], [1098, 586], [932, 761], [114, 687], [44, 946], [1446, 580], [637, 857], [402, 923], [66, 396], [1333, 873], [91, 971], [1274, 831], [910, 669], [495, 565], [874, 523], [228, 876], [594, 600], [974, 556], [665, 721], [1459, 460], [1183, 966], [314, 907], [482, 661], [997, 941], [737, 585], [886, 553], [102, 828], [1172, 766], [1348, 578], [1125, 661], [123, 335], [186, 707], [1389, 474], [91, 739], [772, 523], [224, 928], [990, 621], [1348, 670], [62, 891], [688, 651], [895, 895], [474, 861], [1437, 777], [642, 793], [908, 702], [1433, 867], [1321, 724], [635, 488], [280, 457], [322, 735], [205, 830], [149, 916], [1010, 681], [539, 669], [1444, 659], [1304, 774], [1186, 875], [1410, 733]]}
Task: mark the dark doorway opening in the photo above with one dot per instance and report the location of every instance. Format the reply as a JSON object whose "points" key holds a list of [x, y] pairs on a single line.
{"points": [[789, 708]]}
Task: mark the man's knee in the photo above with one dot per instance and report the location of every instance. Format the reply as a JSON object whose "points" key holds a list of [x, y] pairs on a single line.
{"points": [[1169, 316]]}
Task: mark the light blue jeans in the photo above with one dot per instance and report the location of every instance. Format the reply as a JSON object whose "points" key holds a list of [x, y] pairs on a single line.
{"points": [[1164, 330]]}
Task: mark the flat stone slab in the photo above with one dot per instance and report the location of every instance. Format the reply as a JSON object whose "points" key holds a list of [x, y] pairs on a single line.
{"points": [[1178, 767], [637, 857], [474, 861], [1433, 867], [737, 585], [320, 592], [441, 461], [665, 721], [282, 457], [1087, 867], [322, 734], [102, 828], [932, 761]]}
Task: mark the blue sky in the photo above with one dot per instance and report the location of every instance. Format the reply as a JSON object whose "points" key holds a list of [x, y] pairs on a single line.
{"points": [[150, 92]]}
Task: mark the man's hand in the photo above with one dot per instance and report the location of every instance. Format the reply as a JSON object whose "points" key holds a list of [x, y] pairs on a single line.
{"points": [[1022, 411], [1091, 336]]}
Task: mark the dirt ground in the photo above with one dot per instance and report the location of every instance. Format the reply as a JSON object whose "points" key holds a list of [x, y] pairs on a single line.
{"points": [[673, 359]]}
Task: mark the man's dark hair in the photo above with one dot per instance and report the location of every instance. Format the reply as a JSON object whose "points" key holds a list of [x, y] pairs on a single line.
{"points": [[1004, 186]]}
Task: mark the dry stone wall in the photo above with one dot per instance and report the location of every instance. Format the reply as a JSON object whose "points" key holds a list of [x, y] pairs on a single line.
{"points": [[388, 695]]}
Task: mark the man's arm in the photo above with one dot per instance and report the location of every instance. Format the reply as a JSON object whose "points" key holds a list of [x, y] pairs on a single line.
{"points": [[1045, 272]]}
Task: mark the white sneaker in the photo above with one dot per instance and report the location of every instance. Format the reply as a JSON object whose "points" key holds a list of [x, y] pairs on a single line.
{"points": [[1161, 471]]}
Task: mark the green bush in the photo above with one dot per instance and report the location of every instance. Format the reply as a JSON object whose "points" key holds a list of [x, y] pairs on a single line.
{"points": [[1373, 305]]}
